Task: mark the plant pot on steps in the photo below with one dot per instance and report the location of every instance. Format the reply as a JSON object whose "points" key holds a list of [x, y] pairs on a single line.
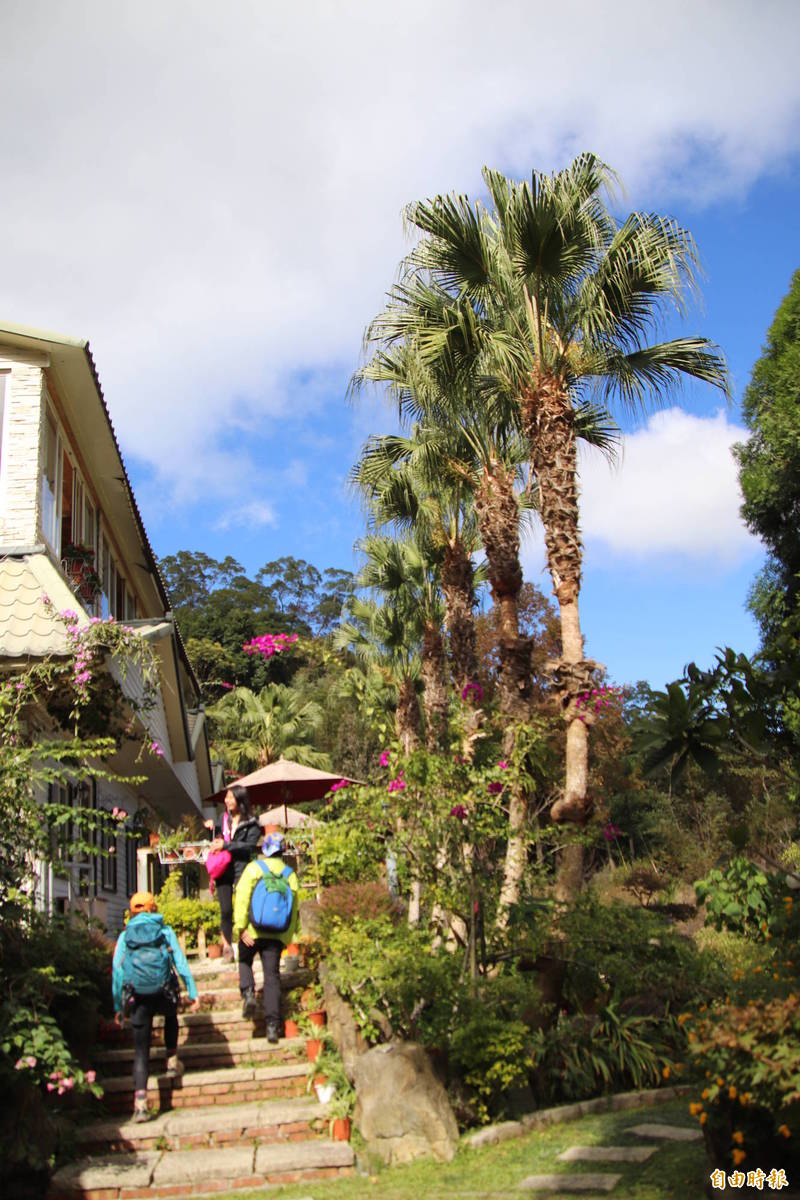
{"points": [[340, 1129], [313, 1047], [317, 1018], [290, 1028], [214, 950]]}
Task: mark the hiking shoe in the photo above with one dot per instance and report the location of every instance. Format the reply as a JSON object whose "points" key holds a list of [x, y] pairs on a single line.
{"points": [[174, 1066], [273, 1031], [248, 1003], [227, 954], [140, 1110]]}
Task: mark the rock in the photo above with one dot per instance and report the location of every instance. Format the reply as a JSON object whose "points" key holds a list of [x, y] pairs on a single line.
{"points": [[310, 918], [341, 1024], [402, 1110]]}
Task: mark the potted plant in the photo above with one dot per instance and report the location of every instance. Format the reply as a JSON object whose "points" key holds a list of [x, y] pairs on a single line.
{"points": [[314, 1034], [291, 1029], [312, 1004], [340, 1109]]}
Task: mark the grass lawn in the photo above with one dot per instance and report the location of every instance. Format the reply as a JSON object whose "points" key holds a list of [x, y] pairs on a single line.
{"points": [[677, 1171]]}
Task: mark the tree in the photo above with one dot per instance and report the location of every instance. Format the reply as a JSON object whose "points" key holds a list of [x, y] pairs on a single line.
{"points": [[542, 301], [769, 476], [255, 729]]}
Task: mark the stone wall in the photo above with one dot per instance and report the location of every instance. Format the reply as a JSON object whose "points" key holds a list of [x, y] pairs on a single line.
{"points": [[19, 462]]}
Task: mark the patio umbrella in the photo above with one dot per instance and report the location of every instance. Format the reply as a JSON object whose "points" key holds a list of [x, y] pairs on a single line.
{"points": [[285, 781]]}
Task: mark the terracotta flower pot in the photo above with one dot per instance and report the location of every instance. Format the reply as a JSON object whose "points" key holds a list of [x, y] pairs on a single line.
{"points": [[317, 1018], [292, 950], [153, 839], [291, 1028], [214, 950], [340, 1129], [313, 1047]]}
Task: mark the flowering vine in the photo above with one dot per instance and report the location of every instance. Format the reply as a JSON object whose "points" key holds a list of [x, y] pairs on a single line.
{"points": [[267, 644]]}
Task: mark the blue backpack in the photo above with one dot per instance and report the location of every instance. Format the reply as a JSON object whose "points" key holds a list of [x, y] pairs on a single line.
{"points": [[147, 966], [271, 901]]}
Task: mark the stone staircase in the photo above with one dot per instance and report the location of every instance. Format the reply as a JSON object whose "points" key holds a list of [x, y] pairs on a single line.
{"points": [[240, 1117]]}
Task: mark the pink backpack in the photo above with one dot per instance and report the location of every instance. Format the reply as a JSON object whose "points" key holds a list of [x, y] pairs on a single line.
{"points": [[218, 861]]}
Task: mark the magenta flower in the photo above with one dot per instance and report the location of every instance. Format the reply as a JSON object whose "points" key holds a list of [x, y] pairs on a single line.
{"points": [[341, 783], [611, 831], [227, 686], [156, 749], [51, 1087], [474, 689], [31, 1061], [267, 644], [397, 785], [19, 1064], [384, 759], [494, 788], [503, 765], [91, 1076], [459, 812]]}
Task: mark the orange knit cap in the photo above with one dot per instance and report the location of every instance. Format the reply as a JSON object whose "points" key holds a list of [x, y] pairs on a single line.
{"points": [[142, 902]]}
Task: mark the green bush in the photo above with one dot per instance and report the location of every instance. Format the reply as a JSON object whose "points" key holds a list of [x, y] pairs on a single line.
{"points": [[632, 956], [350, 851], [187, 916], [742, 898], [584, 1055]]}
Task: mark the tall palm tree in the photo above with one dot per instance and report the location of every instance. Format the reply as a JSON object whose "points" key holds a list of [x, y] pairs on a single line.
{"points": [[405, 571], [406, 489], [384, 636], [544, 300], [254, 729]]}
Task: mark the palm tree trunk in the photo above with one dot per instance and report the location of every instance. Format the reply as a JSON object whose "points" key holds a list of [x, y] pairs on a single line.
{"points": [[434, 678], [407, 717], [548, 422], [458, 587]]}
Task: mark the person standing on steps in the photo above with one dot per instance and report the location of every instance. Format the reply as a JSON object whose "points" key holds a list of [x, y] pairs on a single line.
{"points": [[265, 919], [239, 833], [144, 981]]}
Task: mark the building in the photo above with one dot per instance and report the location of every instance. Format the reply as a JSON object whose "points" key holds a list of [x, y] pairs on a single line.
{"points": [[70, 530]]}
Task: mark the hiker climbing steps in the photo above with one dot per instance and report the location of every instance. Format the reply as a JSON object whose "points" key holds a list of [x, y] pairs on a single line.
{"points": [[239, 1116]]}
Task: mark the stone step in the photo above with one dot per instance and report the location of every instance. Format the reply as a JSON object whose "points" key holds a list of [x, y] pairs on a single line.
{"points": [[266, 1120], [569, 1183], [154, 1173], [670, 1133], [637, 1154], [214, 1025], [202, 1054], [201, 1089], [211, 976]]}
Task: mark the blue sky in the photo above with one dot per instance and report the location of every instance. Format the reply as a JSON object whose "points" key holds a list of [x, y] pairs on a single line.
{"points": [[212, 195]]}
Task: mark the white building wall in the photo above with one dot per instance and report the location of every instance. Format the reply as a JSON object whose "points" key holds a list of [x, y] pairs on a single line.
{"points": [[187, 774], [19, 470]]}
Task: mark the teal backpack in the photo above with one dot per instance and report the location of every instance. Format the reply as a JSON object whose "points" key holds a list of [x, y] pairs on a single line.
{"points": [[147, 967]]}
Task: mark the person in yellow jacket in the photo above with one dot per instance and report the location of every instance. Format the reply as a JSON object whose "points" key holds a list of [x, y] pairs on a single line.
{"points": [[253, 941]]}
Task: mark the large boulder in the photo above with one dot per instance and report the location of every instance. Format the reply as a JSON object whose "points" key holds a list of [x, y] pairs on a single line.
{"points": [[402, 1110], [342, 1025]]}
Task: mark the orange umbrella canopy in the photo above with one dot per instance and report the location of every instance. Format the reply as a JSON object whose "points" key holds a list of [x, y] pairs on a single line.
{"points": [[284, 781]]}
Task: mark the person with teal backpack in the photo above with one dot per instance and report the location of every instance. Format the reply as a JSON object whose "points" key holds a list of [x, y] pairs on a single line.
{"points": [[265, 919], [144, 981]]}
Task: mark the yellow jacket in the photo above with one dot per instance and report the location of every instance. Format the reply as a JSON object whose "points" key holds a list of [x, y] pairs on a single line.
{"points": [[241, 901]]}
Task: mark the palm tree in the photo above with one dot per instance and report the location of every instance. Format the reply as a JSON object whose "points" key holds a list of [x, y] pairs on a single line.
{"points": [[406, 489], [405, 571], [381, 636], [543, 301], [254, 729]]}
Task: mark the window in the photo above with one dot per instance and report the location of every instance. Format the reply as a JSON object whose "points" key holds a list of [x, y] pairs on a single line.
{"points": [[51, 483], [131, 863], [108, 859]]}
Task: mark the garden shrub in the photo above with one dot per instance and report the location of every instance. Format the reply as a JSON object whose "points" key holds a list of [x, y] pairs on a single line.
{"points": [[742, 898], [746, 1050], [352, 850], [630, 955], [362, 901], [584, 1055], [187, 916]]}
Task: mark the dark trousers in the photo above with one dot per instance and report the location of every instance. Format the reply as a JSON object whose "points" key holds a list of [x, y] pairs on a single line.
{"points": [[269, 950], [225, 897], [142, 1011]]}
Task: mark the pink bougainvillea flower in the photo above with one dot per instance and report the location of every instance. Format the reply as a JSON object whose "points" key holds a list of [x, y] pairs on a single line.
{"points": [[494, 788], [397, 785], [19, 1064], [91, 1076], [473, 689], [68, 615], [503, 765], [31, 1061], [459, 812], [384, 759], [156, 749], [114, 811], [227, 686], [611, 831], [69, 1084], [122, 815], [341, 783], [51, 1087], [267, 644]]}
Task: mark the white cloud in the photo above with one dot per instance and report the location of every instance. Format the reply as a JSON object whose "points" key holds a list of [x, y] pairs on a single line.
{"points": [[257, 513], [675, 492], [212, 193]]}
